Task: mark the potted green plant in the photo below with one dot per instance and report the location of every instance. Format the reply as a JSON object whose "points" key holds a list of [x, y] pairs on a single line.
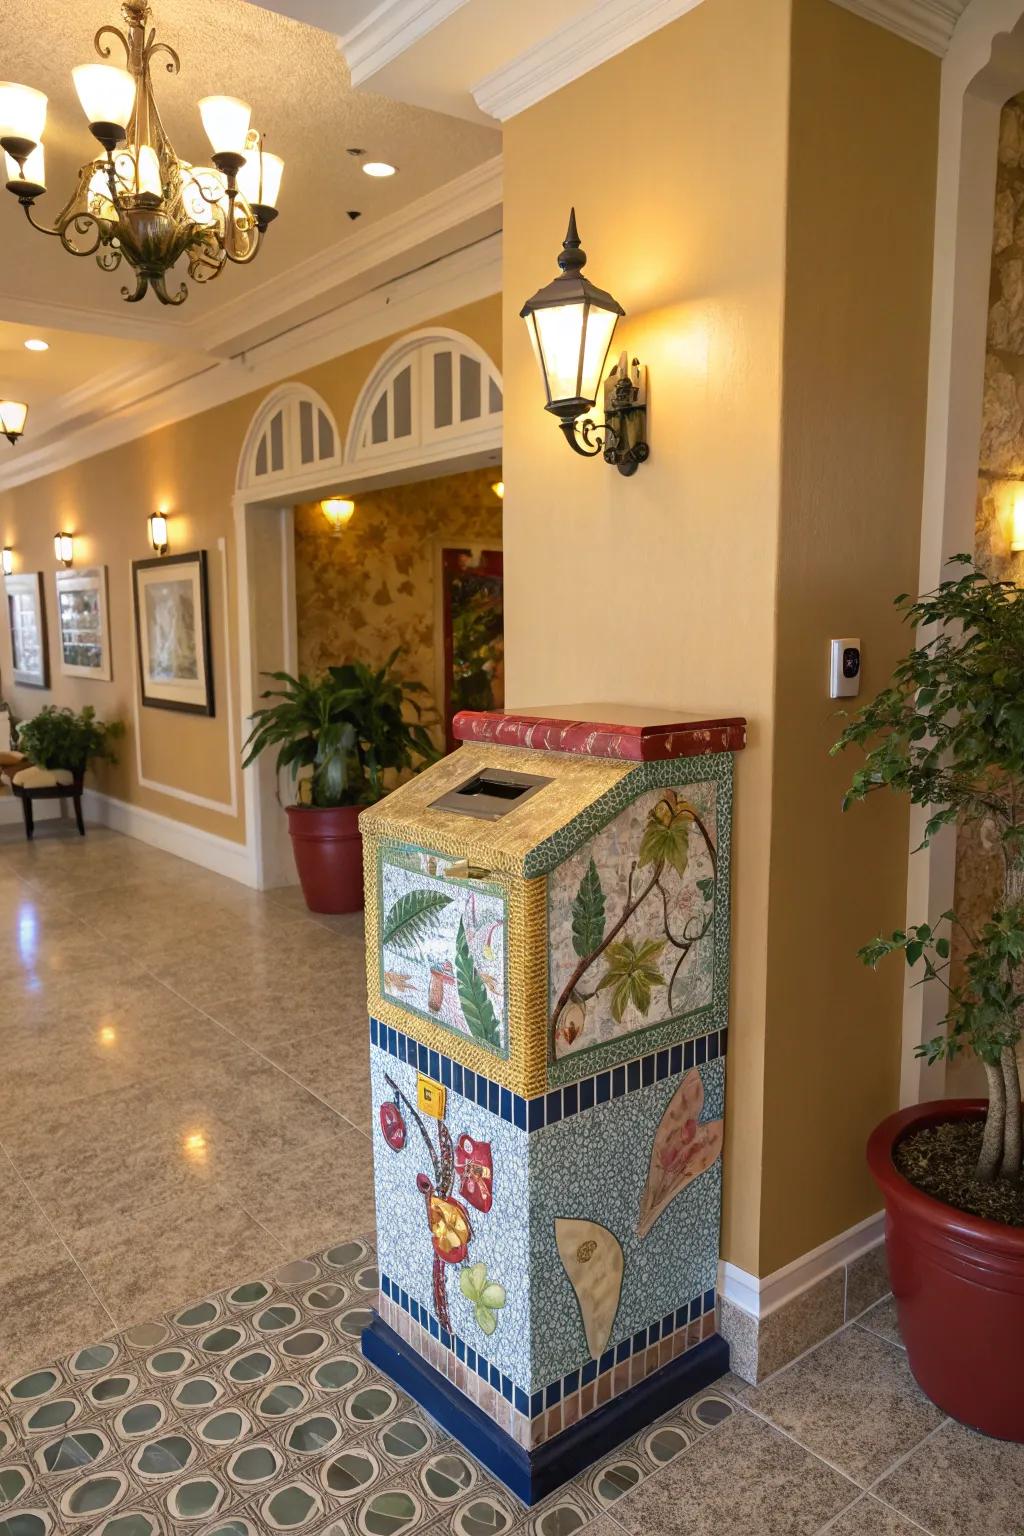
{"points": [[63, 739], [346, 731], [948, 732]]}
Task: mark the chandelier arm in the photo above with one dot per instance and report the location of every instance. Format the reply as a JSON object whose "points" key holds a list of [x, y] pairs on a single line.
{"points": [[103, 49], [111, 170], [44, 229], [141, 285], [173, 65], [80, 222]]}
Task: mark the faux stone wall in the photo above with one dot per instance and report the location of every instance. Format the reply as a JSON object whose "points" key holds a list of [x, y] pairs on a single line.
{"points": [[979, 871], [377, 584]]}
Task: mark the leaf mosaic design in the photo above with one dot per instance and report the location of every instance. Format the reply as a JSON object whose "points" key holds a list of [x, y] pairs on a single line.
{"points": [[683, 1148], [633, 974], [486, 1296], [480, 1017], [588, 913], [412, 919], [593, 1260]]}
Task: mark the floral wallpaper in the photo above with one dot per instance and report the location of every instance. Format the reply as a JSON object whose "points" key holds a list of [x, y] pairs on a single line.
{"points": [[1000, 479], [377, 584]]}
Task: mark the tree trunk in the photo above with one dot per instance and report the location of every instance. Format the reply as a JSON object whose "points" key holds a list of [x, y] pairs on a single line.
{"points": [[992, 1142], [1011, 1167]]}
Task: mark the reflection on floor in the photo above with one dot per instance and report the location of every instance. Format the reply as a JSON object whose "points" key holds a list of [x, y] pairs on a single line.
{"points": [[183, 1109]]}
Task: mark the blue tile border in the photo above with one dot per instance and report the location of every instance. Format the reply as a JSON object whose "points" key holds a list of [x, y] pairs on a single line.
{"points": [[553, 1104], [533, 1404]]}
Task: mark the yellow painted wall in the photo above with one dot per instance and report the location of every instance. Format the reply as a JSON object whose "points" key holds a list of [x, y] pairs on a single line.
{"points": [[863, 121], [661, 589], [190, 468], [765, 219]]}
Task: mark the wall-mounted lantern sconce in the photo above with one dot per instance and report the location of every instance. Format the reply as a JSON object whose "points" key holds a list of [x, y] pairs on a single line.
{"points": [[571, 323], [8, 560], [156, 525], [64, 549], [12, 419], [1017, 525], [338, 512], [499, 489]]}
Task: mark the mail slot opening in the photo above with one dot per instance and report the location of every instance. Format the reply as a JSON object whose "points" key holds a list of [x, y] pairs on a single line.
{"points": [[490, 794]]}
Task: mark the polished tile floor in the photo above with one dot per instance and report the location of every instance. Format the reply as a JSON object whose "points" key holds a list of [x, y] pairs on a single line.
{"points": [[184, 1110]]}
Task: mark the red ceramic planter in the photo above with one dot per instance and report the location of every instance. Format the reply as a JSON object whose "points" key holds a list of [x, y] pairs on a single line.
{"points": [[959, 1287], [328, 850]]}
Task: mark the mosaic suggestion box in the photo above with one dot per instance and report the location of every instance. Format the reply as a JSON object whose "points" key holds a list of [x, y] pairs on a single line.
{"points": [[548, 964]]}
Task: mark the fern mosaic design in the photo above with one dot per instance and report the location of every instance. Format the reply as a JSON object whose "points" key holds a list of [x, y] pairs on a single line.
{"points": [[443, 944]]}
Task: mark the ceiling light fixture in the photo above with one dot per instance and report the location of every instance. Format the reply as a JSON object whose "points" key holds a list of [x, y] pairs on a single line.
{"points": [[138, 201], [378, 168], [35, 344], [12, 419], [571, 323]]}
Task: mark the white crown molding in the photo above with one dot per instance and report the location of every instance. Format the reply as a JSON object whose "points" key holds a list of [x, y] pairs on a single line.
{"points": [[759, 1297], [928, 23], [389, 30], [449, 283], [607, 29]]}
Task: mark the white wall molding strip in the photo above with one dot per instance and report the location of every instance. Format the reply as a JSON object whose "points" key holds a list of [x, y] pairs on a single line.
{"points": [[928, 23], [607, 29], [449, 283], [390, 30], [219, 854], [12, 815], [761, 1296]]}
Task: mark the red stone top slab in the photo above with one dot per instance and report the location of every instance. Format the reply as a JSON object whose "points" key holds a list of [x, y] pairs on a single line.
{"points": [[625, 731]]}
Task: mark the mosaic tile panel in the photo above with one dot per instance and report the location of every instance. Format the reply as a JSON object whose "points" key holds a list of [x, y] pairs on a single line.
{"points": [[443, 944], [150, 1432]]}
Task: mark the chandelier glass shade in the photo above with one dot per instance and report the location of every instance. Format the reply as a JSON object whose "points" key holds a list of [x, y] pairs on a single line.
{"points": [[137, 201]]}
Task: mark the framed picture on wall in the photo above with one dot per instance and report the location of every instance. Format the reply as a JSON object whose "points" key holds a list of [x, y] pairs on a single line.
{"points": [[82, 623], [30, 660], [172, 632], [473, 624]]}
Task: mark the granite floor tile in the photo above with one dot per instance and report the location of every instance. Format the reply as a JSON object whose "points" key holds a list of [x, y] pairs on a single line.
{"points": [[44, 1313], [867, 1281], [335, 1065], [744, 1478], [851, 1401], [960, 1483], [306, 1202], [30, 1242], [274, 1017], [171, 1254], [869, 1517], [883, 1319]]}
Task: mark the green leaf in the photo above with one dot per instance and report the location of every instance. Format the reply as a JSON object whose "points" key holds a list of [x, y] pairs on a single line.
{"points": [[588, 913], [486, 1318], [412, 919], [632, 973], [476, 1004], [666, 838], [493, 1294], [472, 1280]]}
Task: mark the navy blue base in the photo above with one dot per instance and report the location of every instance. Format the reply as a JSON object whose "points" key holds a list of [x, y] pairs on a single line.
{"points": [[532, 1475]]}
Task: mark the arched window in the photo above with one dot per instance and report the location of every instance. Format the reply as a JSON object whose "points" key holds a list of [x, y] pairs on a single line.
{"points": [[292, 434], [434, 393]]}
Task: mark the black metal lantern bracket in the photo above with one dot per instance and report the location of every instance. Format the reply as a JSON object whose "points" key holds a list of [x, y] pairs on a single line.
{"points": [[622, 439]]}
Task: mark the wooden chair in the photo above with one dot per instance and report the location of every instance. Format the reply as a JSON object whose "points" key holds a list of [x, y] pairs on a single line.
{"points": [[29, 793]]}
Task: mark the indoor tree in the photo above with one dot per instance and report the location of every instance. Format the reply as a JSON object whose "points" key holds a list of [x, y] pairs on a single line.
{"points": [[948, 732]]}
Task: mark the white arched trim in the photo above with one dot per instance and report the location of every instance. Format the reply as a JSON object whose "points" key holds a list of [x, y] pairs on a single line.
{"points": [[293, 437], [434, 395], [983, 68]]}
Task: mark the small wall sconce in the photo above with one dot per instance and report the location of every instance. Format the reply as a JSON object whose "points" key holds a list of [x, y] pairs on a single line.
{"points": [[13, 414], [499, 489], [64, 549], [571, 323], [338, 512], [1017, 524], [156, 525], [8, 560]]}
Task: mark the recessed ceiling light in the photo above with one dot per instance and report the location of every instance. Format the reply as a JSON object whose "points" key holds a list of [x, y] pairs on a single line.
{"points": [[378, 168], [34, 344]]}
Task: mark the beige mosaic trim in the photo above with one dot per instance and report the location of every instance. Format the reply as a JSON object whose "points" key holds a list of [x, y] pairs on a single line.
{"points": [[530, 1433], [525, 1069]]}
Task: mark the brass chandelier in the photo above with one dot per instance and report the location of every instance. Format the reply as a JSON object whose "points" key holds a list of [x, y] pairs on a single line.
{"points": [[138, 201]]}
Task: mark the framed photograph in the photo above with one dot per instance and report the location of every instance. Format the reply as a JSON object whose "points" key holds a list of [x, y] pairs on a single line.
{"points": [[27, 615], [172, 631], [472, 623], [82, 623]]}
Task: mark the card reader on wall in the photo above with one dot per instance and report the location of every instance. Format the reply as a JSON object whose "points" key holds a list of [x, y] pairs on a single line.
{"points": [[490, 793]]}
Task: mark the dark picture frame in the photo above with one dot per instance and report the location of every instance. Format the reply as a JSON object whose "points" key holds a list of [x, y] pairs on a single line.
{"points": [[28, 584], [172, 632]]}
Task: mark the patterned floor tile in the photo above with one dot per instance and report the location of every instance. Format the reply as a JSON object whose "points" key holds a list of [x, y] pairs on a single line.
{"points": [[960, 1481]]}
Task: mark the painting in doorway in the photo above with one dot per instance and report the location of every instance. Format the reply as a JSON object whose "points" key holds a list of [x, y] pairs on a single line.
{"points": [[474, 632]]}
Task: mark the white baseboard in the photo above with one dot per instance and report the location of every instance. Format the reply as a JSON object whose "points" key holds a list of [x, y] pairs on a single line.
{"points": [[219, 854], [761, 1296], [43, 810]]}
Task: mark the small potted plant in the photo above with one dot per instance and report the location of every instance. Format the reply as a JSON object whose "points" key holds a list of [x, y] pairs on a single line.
{"points": [[347, 729], [949, 732], [62, 742]]}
